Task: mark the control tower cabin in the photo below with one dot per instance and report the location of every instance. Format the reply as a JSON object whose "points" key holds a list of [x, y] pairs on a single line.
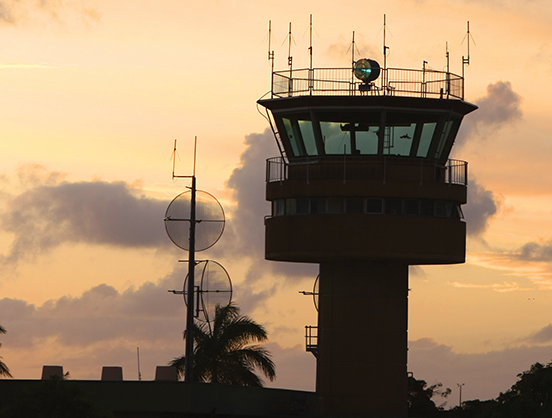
{"points": [[364, 187]]}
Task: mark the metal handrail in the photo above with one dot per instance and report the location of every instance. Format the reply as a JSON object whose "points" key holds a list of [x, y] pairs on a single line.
{"points": [[377, 168], [392, 82]]}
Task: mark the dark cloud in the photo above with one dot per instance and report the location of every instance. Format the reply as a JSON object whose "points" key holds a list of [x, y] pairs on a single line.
{"points": [[97, 212], [533, 251], [481, 207], [101, 314], [542, 336], [246, 225], [499, 107], [485, 374]]}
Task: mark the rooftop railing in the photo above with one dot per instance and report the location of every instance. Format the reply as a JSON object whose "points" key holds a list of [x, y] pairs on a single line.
{"points": [[392, 82], [377, 169]]}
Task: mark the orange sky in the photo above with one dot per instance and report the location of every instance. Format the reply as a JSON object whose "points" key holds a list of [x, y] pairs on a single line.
{"points": [[93, 94]]}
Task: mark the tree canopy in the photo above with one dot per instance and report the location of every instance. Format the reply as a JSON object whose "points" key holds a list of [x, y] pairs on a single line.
{"points": [[228, 351], [4, 370]]}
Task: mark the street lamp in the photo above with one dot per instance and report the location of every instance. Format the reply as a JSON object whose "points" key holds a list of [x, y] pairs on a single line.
{"points": [[460, 396]]}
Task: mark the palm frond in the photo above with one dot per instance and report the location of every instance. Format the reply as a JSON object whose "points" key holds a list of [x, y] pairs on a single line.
{"points": [[4, 370]]}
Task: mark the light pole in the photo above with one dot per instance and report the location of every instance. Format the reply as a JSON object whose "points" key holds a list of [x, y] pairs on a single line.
{"points": [[460, 396]]}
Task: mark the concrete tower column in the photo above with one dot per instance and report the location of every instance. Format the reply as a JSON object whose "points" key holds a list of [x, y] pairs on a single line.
{"points": [[363, 338]]}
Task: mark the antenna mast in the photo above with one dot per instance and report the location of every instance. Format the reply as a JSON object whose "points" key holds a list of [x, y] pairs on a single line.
{"points": [[311, 71], [466, 61]]}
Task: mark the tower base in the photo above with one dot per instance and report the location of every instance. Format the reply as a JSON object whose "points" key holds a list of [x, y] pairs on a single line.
{"points": [[362, 339]]}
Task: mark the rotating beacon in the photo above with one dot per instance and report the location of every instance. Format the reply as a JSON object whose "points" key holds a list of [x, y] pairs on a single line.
{"points": [[364, 187]]}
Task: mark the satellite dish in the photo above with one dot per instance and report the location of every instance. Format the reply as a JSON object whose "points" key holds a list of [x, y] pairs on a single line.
{"points": [[215, 289], [316, 292], [366, 70], [209, 220]]}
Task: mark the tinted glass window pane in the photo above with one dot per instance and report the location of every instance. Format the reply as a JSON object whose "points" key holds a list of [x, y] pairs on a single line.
{"points": [[355, 205], [336, 141], [302, 205], [444, 136], [335, 205], [412, 206], [293, 138], [367, 140], [425, 139], [393, 206], [318, 205], [308, 137], [374, 206], [440, 209], [291, 206], [398, 139], [426, 207], [278, 207]]}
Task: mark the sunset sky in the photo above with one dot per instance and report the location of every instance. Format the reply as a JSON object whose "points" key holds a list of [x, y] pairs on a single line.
{"points": [[93, 94]]}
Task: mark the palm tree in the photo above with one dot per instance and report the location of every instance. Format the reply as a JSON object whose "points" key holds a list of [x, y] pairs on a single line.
{"points": [[4, 370], [227, 352]]}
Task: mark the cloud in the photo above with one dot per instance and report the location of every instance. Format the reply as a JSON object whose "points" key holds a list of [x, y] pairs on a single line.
{"points": [[485, 374], [533, 251], [481, 207], [246, 225], [497, 287], [51, 213], [341, 49], [17, 11], [499, 107], [101, 314]]}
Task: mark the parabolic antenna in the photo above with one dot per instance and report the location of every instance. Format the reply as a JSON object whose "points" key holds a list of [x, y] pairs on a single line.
{"points": [[209, 220], [316, 292], [215, 289], [366, 70]]}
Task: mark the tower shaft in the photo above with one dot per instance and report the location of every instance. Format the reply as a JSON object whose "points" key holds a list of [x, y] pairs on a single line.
{"points": [[362, 332]]}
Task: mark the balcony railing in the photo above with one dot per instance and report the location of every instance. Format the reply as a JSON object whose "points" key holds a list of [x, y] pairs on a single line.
{"points": [[311, 339], [368, 168], [392, 82]]}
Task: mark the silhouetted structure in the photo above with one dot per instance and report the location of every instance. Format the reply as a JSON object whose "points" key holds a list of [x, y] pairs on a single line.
{"points": [[364, 187]]}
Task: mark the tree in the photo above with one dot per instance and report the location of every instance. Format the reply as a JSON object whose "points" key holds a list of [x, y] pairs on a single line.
{"points": [[4, 370], [420, 403], [227, 351], [530, 396]]}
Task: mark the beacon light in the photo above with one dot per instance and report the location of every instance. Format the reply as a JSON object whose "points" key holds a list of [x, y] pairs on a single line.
{"points": [[366, 70]]}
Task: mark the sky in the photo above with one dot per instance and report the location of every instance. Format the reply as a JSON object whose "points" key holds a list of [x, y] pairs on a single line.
{"points": [[93, 94]]}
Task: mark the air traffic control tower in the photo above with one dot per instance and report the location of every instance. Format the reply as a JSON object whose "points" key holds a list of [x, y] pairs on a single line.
{"points": [[364, 187]]}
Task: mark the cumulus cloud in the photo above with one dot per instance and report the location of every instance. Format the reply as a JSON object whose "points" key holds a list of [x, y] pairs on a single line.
{"points": [[481, 207], [485, 374], [104, 326], [247, 183], [147, 313], [499, 107], [533, 251], [49, 214]]}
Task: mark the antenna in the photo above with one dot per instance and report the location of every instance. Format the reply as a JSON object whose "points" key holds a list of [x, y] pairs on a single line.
{"points": [[138, 356], [466, 61], [271, 55], [187, 212], [290, 58], [270, 52], [310, 43], [385, 47]]}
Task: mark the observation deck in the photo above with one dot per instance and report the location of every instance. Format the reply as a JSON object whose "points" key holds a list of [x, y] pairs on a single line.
{"points": [[424, 83]]}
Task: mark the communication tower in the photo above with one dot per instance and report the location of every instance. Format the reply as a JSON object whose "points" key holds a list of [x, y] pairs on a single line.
{"points": [[364, 187]]}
